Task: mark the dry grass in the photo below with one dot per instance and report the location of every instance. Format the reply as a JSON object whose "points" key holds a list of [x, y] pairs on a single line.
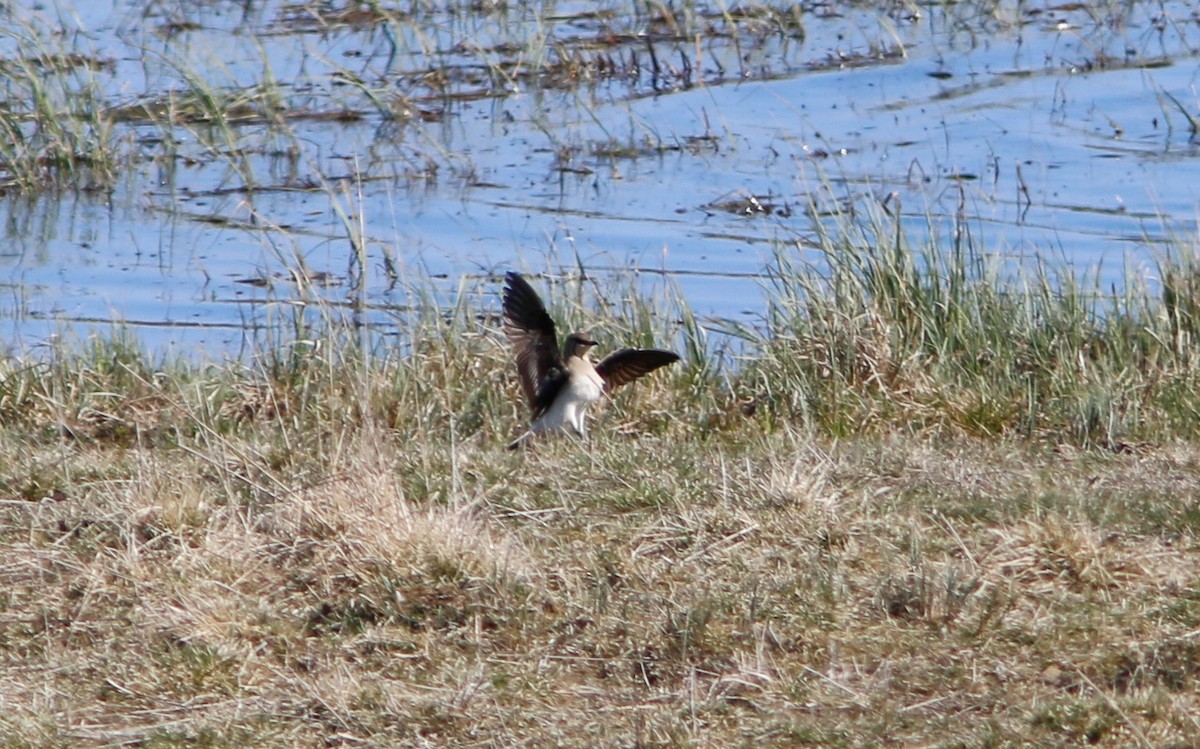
{"points": [[314, 561]]}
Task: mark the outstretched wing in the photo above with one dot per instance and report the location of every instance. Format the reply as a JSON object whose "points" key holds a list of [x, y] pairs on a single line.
{"points": [[531, 331], [628, 364]]}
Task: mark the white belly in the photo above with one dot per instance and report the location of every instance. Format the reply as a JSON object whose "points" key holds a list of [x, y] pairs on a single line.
{"points": [[568, 410]]}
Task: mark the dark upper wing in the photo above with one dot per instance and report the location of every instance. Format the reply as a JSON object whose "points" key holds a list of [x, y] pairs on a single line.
{"points": [[531, 332], [548, 389], [628, 364]]}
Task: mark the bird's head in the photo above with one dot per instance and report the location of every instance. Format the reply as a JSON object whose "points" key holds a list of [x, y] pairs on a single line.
{"points": [[577, 344]]}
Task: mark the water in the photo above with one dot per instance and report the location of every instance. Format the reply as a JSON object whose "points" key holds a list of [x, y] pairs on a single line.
{"points": [[1043, 131]]}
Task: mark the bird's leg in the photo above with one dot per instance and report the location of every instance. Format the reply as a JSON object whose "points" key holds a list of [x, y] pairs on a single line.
{"points": [[576, 433], [581, 426]]}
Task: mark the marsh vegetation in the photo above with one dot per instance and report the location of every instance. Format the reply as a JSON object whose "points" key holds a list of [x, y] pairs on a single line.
{"points": [[926, 496], [225, 160], [926, 508]]}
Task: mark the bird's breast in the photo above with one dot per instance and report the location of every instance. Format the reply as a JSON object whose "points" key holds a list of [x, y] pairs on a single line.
{"points": [[585, 383]]}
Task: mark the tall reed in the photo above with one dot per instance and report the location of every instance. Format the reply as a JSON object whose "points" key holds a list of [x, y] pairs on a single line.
{"points": [[868, 331]]}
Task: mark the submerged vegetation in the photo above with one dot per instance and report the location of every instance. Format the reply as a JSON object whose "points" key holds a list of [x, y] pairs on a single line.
{"points": [[71, 121], [234, 83], [802, 540]]}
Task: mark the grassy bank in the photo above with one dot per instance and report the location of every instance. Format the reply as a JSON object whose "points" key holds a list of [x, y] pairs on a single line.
{"points": [[931, 508]]}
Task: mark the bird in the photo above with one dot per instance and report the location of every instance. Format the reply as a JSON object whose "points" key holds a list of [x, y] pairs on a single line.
{"points": [[559, 386]]}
